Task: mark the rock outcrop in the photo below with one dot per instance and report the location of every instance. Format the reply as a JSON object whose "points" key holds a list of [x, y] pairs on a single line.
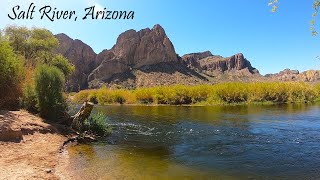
{"points": [[210, 64], [148, 58], [192, 60], [310, 76], [82, 57], [295, 75], [285, 75], [134, 50]]}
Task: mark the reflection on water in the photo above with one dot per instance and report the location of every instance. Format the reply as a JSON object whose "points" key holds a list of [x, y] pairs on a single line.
{"points": [[221, 142]]}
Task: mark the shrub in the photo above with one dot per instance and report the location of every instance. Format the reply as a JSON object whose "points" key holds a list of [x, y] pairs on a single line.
{"points": [[173, 95], [49, 84], [82, 96], [200, 93], [29, 100], [317, 89], [116, 97], [103, 96], [63, 64], [232, 92], [129, 96], [97, 123], [145, 95], [225, 93], [11, 75], [93, 98]]}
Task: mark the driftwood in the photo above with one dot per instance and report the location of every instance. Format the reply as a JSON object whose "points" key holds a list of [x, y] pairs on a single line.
{"points": [[83, 114], [77, 126]]}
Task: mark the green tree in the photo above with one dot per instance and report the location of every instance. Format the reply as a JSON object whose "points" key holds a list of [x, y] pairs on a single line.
{"points": [[31, 43], [11, 75], [49, 85], [17, 37], [37, 46], [63, 64], [58, 61]]}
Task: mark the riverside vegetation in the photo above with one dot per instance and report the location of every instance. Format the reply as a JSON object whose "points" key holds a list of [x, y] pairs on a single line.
{"points": [[32, 76], [225, 93]]}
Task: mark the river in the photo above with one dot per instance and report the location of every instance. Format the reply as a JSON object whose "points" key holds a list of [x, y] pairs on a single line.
{"points": [[219, 142]]}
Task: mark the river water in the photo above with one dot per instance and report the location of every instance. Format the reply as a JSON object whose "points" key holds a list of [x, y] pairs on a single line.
{"points": [[220, 142]]}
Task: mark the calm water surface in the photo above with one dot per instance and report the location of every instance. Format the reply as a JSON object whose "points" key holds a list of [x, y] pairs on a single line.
{"points": [[228, 142]]}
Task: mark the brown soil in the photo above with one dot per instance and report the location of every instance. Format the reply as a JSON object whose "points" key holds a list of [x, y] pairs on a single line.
{"points": [[34, 150]]}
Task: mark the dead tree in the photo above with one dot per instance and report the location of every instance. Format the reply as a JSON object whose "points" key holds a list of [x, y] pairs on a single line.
{"points": [[83, 114]]}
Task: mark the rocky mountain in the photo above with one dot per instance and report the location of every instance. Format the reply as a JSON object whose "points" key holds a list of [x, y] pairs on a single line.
{"points": [[295, 75], [134, 50], [214, 65], [192, 60], [82, 56], [148, 58]]}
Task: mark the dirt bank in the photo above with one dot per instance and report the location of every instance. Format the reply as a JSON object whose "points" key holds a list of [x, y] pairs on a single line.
{"points": [[36, 151]]}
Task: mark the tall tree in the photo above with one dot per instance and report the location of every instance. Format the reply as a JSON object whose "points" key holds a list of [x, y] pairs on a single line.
{"points": [[32, 44], [37, 46]]}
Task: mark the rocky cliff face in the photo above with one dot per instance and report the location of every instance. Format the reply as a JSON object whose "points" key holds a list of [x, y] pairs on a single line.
{"points": [[295, 75], [210, 64], [82, 56], [192, 60], [147, 58], [134, 50]]}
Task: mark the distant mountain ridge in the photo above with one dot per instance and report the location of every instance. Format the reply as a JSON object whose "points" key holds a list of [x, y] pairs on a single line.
{"points": [[148, 58], [295, 75], [210, 64]]}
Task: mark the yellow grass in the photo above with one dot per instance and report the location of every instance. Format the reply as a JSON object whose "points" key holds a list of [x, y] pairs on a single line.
{"points": [[225, 93]]}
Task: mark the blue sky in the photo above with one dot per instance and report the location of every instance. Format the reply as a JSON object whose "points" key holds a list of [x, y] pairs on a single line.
{"points": [[271, 41]]}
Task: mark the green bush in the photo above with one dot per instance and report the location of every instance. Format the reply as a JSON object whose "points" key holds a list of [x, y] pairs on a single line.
{"points": [[11, 76], [63, 64], [49, 84], [29, 100], [97, 123]]}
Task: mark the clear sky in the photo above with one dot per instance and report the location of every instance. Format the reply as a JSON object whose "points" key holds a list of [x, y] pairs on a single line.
{"points": [[271, 41]]}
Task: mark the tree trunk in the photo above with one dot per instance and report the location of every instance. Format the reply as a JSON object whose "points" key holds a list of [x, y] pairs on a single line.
{"points": [[81, 116]]}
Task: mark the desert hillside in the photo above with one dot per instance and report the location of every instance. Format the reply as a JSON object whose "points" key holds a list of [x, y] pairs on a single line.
{"points": [[147, 58]]}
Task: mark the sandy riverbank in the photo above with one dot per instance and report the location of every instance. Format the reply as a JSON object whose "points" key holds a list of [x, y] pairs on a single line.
{"points": [[37, 152]]}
